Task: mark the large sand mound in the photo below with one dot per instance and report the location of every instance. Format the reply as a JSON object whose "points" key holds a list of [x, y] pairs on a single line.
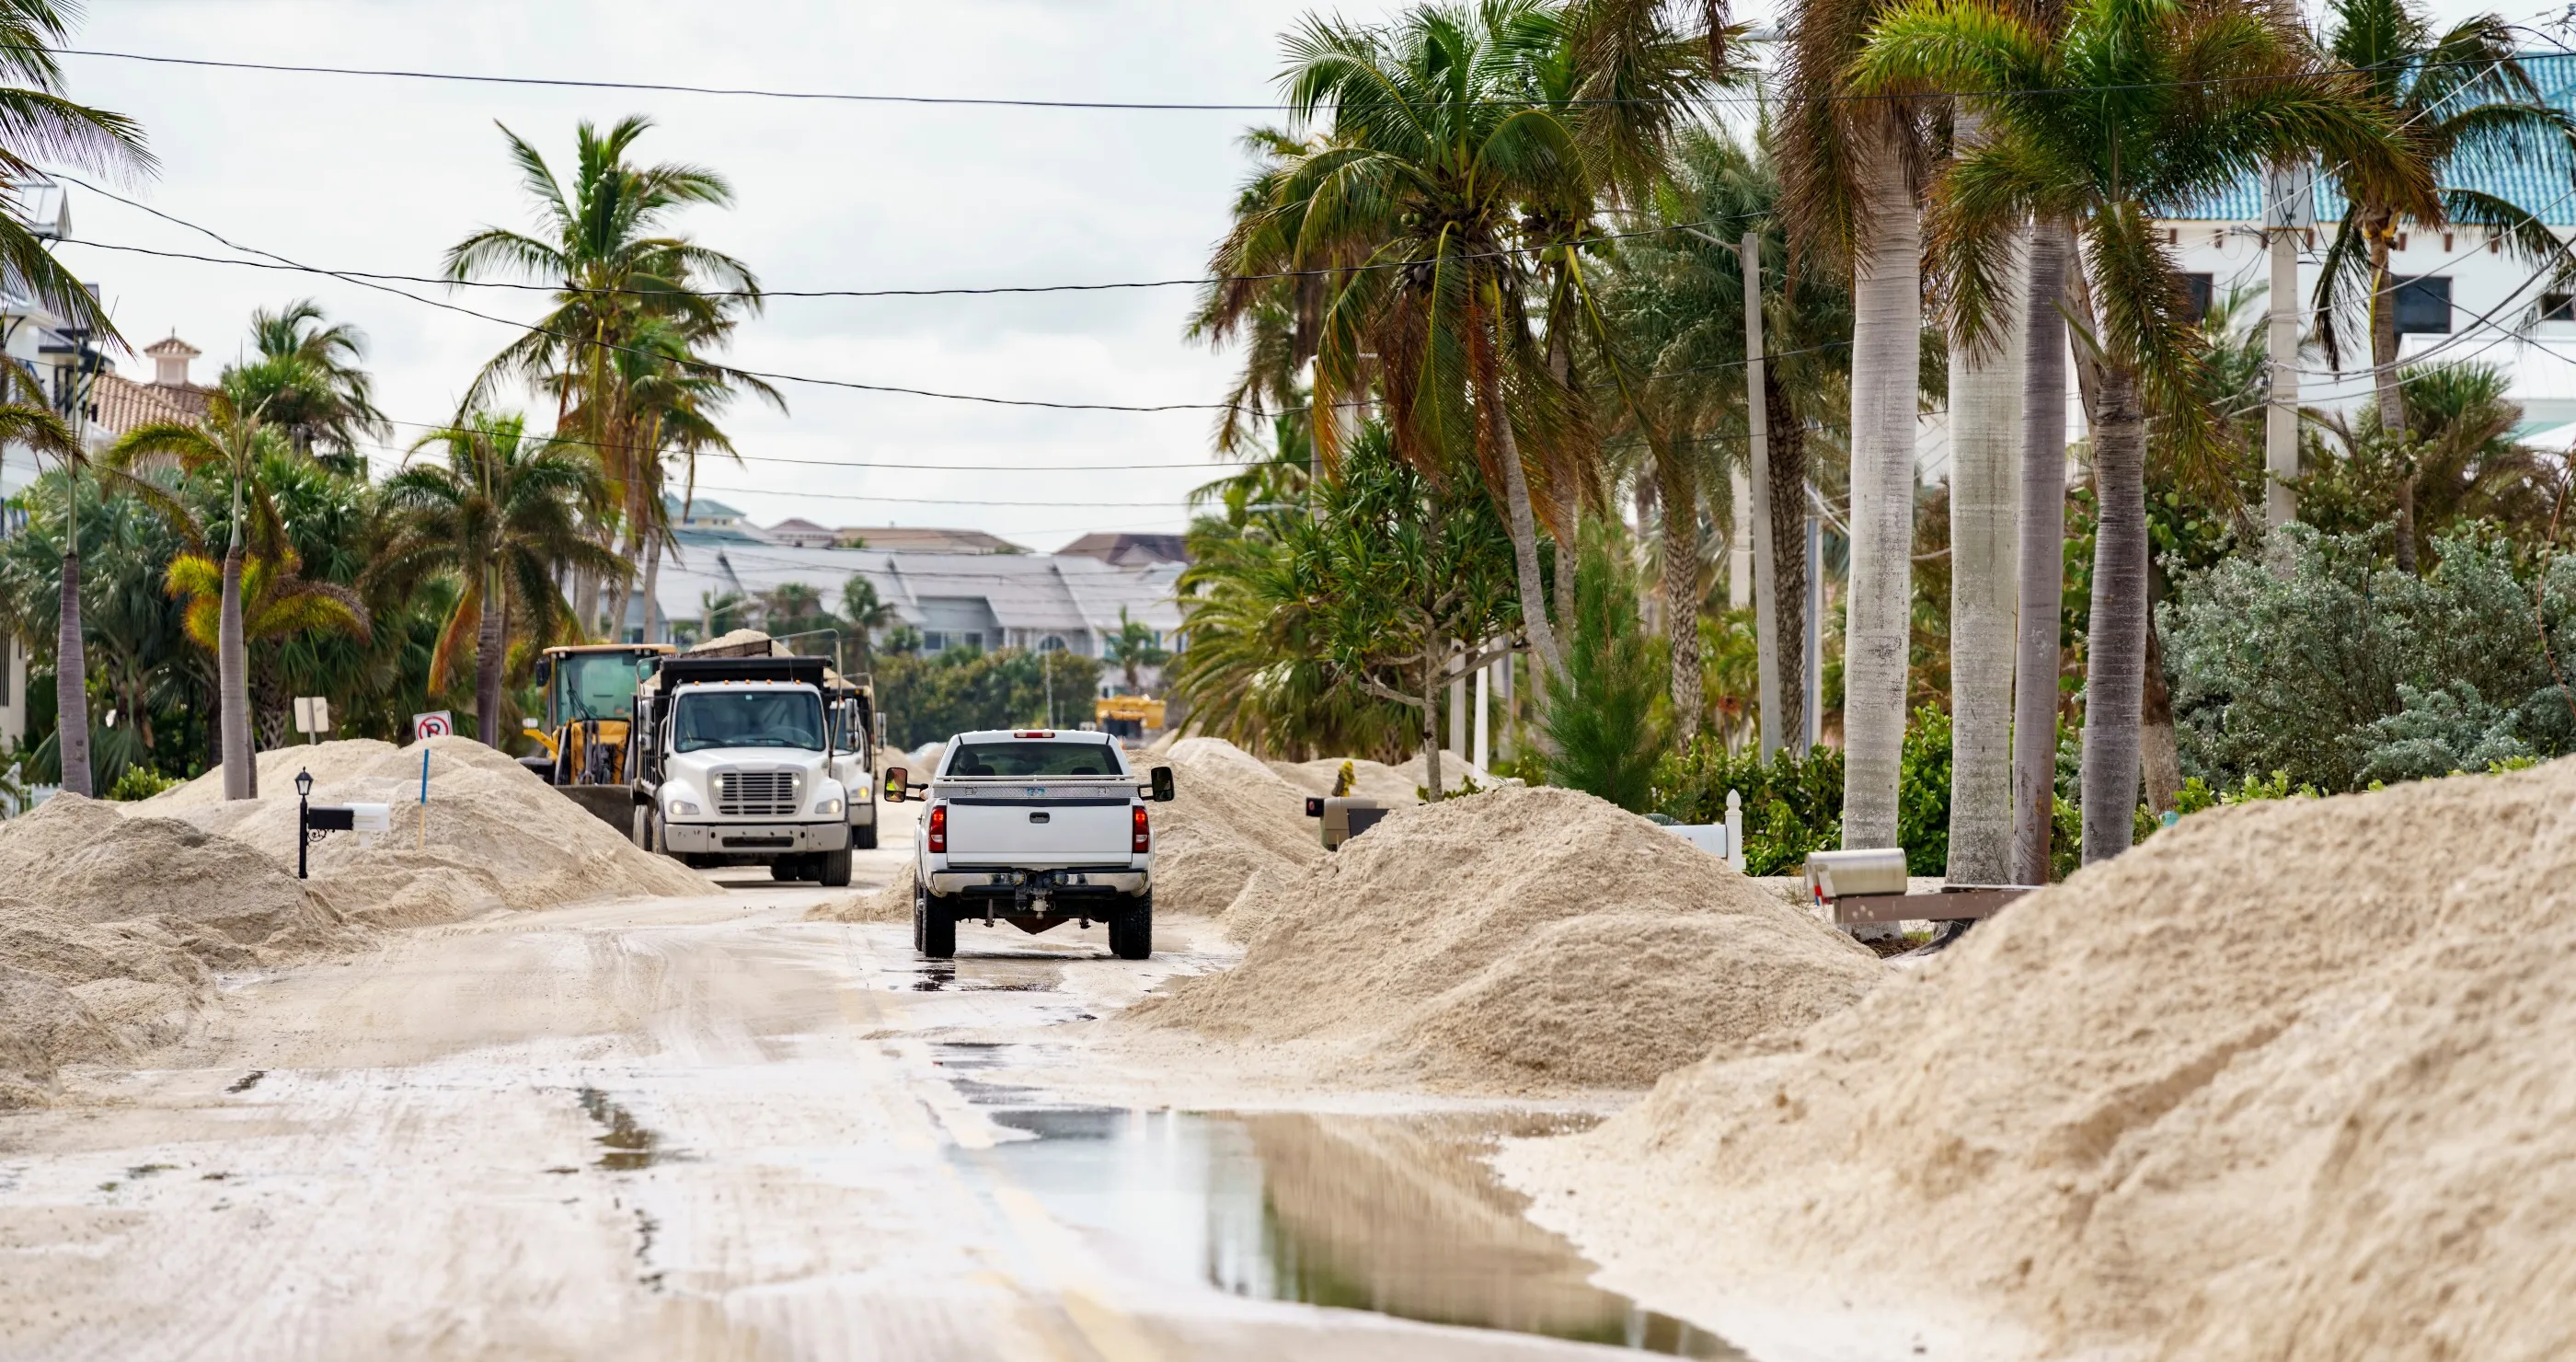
{"points": [[497, 836], [328, 761], [2288, 1081], [1392, 786], [1230, 818], [1525, 938], [112, 922]]}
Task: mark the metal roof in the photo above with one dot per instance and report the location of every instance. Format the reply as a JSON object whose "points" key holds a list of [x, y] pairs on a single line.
{"points": [[2541, 179]]}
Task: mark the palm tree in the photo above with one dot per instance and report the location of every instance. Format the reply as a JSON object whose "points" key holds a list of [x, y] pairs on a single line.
{"points": [[864, 614], [1677, 302], [269, 597], [308, 380], [40, 430], [1432, 155], [603, 244], [2128, 105], [501, 514], [2463, 98], [1849, 166], [38, 123], [229, 442], [1133, 648]]}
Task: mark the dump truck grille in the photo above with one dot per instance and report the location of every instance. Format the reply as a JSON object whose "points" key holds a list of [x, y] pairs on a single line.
{"points": [[755, 794]]}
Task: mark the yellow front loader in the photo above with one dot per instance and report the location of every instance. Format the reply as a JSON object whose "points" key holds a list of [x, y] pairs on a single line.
{"points": [[589, 703]]}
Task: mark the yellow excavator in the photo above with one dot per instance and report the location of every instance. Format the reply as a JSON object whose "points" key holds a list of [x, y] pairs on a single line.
{"points": [[1127, 716], [589, 702]]}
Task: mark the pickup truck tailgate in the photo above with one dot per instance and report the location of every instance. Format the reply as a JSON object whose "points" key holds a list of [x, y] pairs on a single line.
{"points": [[1094, 829]]}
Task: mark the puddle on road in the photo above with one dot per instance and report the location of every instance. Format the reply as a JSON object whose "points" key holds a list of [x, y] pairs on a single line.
{"points": [[1397, 1215], [630, 1145]]}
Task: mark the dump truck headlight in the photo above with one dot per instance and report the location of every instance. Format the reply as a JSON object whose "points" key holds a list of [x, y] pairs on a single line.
{"points": [[681, 808], [828, 808]]}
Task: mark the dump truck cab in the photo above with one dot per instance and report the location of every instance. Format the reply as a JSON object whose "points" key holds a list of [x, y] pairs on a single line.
{"points": [[735, 765]]}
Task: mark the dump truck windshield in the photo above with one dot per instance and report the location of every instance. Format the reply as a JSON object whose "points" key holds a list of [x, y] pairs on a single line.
{"points": [[756, 718], [597, 686], [1015, 759]]}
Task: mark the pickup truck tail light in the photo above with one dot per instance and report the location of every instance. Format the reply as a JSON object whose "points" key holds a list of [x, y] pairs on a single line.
{"points": [[939, 829], [1144, 836]]}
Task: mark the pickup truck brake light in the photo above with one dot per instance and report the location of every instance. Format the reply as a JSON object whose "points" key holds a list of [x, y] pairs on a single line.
{"points": [[1035, 733], [1144, 837], [939, 828]]}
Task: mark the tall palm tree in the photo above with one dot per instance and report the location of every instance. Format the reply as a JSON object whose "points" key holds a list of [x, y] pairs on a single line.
{"points": [[2465, 101], [38, 124], [1432, 154], [502, 514], [2128, 105], [1850, 167], [1132, 649], [270, 599], [604, 243], [1677, 302], [40, 430], [864, 613], [308, 379], [228, 443]]}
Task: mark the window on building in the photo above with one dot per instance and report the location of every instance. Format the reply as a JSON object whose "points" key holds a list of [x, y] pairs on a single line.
{"points": [[1051, 644], [2201, 289], [2424, 305], [934, 640], [2558, 307], [8, 656]]}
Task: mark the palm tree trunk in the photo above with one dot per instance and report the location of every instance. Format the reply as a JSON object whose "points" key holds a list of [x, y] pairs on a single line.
{"points": [[1787, 549], [1887, 353], [488, 657], [232, 675], [2041, 550], [2115, 645], [652, 584], [1523, 523], [71, 679], [1681, 591], [1985, 444]]}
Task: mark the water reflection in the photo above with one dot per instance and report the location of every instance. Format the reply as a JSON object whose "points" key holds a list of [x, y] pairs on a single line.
{"points": [[1398, 1215]]}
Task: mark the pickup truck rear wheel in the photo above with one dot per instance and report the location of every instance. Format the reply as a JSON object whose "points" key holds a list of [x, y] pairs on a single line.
{"points": [[1131, 930], [834, 869], [937, 928]]}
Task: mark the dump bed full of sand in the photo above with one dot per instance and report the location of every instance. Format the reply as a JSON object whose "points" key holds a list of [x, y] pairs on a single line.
{"points": [[2290, 1080], [1519, 940]]}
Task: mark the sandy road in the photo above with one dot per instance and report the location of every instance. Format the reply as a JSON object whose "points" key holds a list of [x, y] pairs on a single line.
{"points": [[681, 1128]]}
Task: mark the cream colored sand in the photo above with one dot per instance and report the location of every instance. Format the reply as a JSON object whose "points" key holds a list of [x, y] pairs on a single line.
{"points": [[1521, 940], [111, 924], [497, 836], [1231, 817], [1389, 785], [2290, 1080]]}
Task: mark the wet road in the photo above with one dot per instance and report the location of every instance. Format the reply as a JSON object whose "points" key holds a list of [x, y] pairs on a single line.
{"points": [[707, 1128]]}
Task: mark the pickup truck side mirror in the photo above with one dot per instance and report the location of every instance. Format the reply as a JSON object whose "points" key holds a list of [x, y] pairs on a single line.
{"points": [[896, 780], [1162, 778]]}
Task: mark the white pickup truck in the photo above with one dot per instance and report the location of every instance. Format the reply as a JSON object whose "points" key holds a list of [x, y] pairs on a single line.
{"points": [[1033, 827]]}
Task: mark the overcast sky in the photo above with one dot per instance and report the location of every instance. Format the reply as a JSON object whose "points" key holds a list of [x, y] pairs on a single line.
{"points": [[381, 174]]}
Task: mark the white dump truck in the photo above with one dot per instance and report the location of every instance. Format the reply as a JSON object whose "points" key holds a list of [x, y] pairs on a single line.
{"points": [[1033, 827], [742, 761]]}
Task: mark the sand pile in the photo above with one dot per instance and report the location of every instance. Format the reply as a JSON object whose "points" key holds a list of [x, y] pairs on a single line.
{"points": [[2288, 1080], [1231, 817], [111, 924], [888, 902], [1388, 785], [328, 761], [498, 837], [1522, 939]]}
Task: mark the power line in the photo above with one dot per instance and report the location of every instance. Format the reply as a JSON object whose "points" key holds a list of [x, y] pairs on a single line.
{"points": [[279, 263], [1165, 106]]}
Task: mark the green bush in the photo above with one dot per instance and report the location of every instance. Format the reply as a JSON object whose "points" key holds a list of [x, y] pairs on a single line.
{"points": [[1791, 807], [1923, 793], [142, 782], [931, 698]]}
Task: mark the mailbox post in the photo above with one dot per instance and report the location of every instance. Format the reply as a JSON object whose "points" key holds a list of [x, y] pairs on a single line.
{"points": [[312, 824]]}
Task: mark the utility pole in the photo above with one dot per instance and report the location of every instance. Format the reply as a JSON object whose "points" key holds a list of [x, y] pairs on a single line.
{"points": [[2288, 211], [1766, 622]]}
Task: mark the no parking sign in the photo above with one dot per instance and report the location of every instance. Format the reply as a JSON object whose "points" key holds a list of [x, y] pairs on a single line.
{"points": [[435, 724]]}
